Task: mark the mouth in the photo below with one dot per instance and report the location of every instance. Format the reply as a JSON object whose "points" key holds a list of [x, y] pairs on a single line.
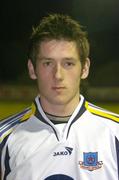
{"points": [[58, 88]]}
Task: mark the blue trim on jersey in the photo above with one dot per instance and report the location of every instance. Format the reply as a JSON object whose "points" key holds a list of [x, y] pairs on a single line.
{"points": [[6, 125], [41, 118], [11, 122], [7, 167], [3, 143], [9, 126], [79, 114], [1, 147], [117, 149], [8, 120]]}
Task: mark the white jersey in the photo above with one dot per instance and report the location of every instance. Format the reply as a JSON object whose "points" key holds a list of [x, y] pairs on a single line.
{"points": [[85, 148]]}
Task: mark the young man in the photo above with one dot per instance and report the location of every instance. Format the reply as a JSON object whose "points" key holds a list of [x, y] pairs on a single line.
{"points": [[62, 136]]}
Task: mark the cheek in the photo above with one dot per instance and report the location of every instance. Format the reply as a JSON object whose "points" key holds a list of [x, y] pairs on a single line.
{"points": [[74, 81], [43, 79], [42, 71], [76, 78], [76, 75]]}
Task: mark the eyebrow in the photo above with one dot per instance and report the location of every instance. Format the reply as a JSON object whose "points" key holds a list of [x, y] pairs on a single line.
{"points": [[69, 59], [49, 58], [44, 58]]}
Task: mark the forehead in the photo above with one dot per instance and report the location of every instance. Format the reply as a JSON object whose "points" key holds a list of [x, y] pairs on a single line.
{"points": [[58, 45]]}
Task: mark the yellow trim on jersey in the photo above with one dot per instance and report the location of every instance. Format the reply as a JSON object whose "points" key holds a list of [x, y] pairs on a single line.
{"points": [[33, 108], [5, 134], [28, 114], [101, 112]]}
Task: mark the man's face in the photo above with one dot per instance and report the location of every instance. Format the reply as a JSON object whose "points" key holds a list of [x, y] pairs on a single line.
{"points": [[58, 72]]}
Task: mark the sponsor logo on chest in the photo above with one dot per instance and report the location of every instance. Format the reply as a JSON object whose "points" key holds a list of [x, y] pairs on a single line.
{"points": [[67, 151]]}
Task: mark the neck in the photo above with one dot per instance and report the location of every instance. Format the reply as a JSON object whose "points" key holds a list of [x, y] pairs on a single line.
{"points": [[65, 109]]}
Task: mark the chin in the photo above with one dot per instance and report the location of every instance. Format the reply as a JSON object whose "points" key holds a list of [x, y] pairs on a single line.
{"points": [[60, 101]]}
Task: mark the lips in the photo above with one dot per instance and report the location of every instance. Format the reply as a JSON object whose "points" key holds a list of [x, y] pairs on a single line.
{"points": [[58, 88]]}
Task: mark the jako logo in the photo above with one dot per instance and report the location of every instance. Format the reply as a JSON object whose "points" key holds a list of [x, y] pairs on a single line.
{"points": [[68, 151]]}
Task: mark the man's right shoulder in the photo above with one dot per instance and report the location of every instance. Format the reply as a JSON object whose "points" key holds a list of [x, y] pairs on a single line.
{"points": [[8, 124]]}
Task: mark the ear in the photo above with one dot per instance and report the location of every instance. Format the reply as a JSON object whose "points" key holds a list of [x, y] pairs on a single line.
{"points": [[31, 70], [85, 69]]}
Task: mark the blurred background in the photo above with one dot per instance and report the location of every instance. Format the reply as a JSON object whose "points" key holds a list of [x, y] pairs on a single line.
{"points": [[100, 19]]}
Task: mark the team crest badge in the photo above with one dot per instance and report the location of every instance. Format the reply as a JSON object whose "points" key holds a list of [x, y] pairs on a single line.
{"points": [[90, 161]]}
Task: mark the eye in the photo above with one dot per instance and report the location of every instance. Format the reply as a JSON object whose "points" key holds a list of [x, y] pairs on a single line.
{"points": [[69, 64], [47, 63]]}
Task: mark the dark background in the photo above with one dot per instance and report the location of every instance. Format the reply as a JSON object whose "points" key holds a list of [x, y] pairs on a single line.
{"points": [[100, 18]]}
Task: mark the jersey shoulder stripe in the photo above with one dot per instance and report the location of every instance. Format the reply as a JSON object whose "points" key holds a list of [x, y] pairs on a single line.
{"points": [[7, 125], [102, 112]]}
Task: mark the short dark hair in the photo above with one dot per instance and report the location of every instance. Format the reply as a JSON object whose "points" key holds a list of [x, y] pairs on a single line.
{"points": [[58, 26]]}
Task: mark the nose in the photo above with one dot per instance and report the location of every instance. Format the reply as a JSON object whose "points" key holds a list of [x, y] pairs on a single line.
{"points": [[58, 72]]}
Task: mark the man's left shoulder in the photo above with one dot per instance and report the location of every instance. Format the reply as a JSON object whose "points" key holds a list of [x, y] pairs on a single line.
{"points": [[101, 112]]}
